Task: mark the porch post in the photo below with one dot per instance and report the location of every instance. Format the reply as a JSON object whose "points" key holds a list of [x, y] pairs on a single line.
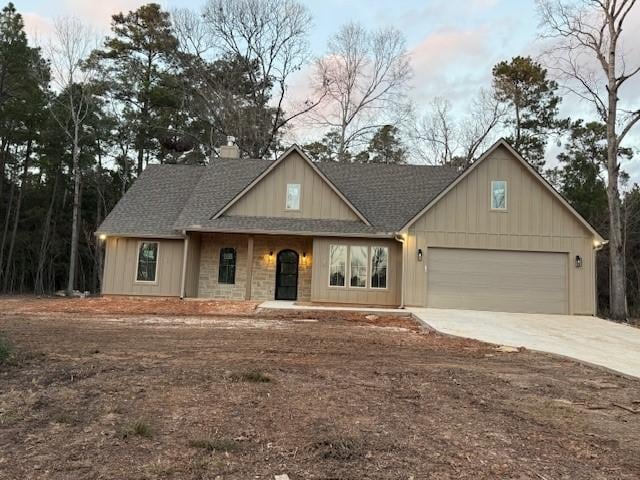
{"points": [[247, 292], [184, 266]]}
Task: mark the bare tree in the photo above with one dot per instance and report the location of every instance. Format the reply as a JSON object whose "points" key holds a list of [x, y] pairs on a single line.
{"points": [[71, 45], [588, 54], [270, 34], [439, 139], [365, 76]]}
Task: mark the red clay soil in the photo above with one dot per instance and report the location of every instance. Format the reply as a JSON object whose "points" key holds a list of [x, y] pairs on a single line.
{"points": [[123, 306], [185, 398]]}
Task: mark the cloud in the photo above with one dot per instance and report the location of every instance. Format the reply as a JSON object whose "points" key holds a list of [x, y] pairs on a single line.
{"points": [[441, 63], [37, 27]]}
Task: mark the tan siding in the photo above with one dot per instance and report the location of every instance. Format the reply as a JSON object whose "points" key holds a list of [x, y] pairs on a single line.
{"points": [[534, 221], [267, 198], [120, 268], [321, 292]]}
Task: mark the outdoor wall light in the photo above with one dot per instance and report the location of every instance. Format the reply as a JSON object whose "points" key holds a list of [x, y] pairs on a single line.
{"points": [[304, 254], [578, 261], [270, 253], [419, 254], [102, 237]]}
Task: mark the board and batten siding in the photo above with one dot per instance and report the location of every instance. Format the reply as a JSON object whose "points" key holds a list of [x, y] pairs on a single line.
{"points": [[534, 221], [322, 292], [121, 256], [317, 200]]}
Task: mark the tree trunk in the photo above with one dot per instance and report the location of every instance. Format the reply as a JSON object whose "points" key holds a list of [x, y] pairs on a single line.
{"points": [[16, 216], [3, 272], [617, 288], [44, 243], [76, 214]]}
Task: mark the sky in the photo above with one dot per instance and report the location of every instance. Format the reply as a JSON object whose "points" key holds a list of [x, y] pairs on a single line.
{"points": [[453, 44]]}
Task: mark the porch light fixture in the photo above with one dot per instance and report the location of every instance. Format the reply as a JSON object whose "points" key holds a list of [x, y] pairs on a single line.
{"points": [[270, 253], [419, 254], [578, 261], [102, 237]]}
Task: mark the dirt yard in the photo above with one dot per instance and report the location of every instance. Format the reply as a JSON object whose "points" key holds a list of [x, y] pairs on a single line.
{"points": [[110, 396]]}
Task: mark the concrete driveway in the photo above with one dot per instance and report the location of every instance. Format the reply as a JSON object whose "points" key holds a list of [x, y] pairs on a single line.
{"points": [[588, 339]]}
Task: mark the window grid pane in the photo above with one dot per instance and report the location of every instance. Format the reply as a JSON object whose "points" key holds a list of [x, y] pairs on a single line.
{"points": [[379, 265], [358, 266], [227, 267], [337, 265], [147, 260]]}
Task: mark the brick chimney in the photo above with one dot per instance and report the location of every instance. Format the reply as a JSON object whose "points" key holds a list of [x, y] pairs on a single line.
{"points": [[230, 150]]}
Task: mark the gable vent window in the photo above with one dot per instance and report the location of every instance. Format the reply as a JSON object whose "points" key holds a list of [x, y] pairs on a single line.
{"points": [[227, 268], [293, 196], [147, 266], [498, 195]]}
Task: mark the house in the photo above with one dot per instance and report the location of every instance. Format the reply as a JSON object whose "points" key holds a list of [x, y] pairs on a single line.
{"points": [[495, 237]]}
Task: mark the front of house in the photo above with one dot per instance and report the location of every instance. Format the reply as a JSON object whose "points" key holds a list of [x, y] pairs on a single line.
{"points": [[494, 237]]}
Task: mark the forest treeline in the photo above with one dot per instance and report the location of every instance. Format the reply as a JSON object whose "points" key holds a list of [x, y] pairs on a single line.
{"points": [[82, 116]]}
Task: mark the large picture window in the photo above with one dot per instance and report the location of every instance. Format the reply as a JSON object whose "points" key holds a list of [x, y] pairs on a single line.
{"points": [[498, 195], [147, 262], [337, 265], [358, 261], [227, 267], [379, 266]]}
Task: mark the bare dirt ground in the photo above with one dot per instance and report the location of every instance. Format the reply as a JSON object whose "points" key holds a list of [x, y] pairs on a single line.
{"points": [[97, 396]]}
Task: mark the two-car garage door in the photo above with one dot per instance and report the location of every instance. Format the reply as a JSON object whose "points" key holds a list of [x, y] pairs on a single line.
{"points": [[497, 280]]}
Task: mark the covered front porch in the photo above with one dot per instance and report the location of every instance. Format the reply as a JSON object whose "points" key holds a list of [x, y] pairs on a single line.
{"points": [[248, 267]]}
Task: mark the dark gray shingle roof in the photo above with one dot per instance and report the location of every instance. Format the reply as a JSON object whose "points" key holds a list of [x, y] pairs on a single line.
{"points": [[221, 181], [388, 195], [153, 203], [167, 199], [298, 225]]}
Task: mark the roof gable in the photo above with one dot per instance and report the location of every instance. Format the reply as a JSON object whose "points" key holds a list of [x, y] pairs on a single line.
{"points": [[331, 192], [516, 157]]}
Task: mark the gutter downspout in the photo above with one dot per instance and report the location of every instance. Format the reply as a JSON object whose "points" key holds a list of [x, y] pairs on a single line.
{"points": [[402, 239], [184, 266]]}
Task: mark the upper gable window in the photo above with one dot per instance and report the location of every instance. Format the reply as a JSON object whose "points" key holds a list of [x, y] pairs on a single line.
{"points": [[498, 195], [293, 196]]}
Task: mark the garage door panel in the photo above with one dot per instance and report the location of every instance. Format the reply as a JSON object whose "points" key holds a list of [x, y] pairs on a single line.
{"points": [[497, 280]]}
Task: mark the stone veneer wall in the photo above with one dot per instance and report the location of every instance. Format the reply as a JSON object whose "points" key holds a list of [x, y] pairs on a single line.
{"points": [[263, 279]]}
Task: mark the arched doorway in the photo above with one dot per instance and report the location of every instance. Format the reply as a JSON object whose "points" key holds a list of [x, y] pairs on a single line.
{"points": [[287, 275]]}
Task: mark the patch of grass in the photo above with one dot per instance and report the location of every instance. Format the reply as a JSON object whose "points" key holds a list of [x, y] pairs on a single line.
{"points": [[139, 428], [64, 418], [253, 376], [336, 447], [223, 444], [6, 351]]}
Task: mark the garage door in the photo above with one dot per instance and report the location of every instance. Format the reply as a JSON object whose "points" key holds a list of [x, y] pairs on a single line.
{"points": [[497, 280]]}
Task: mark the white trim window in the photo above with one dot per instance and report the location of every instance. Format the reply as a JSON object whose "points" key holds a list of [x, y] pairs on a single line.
{"points": [[358, 261], [337, 265], [147, 264], [293, 196], [379, 267], [498, 195]]}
